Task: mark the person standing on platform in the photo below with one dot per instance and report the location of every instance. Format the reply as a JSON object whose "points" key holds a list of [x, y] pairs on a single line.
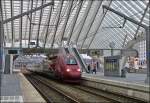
{"points": [[89, 68], [97, 66], [94, 68], [136, 65]]}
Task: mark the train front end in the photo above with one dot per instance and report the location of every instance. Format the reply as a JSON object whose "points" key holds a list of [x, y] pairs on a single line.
{"points": [[72, 71]]}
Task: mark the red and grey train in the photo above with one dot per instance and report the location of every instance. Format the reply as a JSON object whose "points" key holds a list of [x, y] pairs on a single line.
{"points": [[65, 67], [62, 66]]}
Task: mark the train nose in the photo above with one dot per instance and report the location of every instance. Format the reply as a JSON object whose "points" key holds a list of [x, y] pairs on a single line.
{"points": [[73, 72], [74, 75]]}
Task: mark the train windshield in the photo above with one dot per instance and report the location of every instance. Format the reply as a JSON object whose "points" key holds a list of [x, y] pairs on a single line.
{"points": [[71, 61]]}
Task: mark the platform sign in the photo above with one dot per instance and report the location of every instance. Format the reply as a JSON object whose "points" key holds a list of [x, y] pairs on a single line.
{"points": [[12, 51], [112, 66], [96, 52]]}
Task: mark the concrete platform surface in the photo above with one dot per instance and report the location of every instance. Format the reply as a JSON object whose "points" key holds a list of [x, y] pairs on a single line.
{"points": [[29, 93], [132, 86], [10, 90], [130, 78], [16, 88]]}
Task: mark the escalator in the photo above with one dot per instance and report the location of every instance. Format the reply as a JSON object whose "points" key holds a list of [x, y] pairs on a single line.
{"points": [[80, 59]]}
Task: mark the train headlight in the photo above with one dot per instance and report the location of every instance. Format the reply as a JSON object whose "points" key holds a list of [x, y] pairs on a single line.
{"points": [[78, 70], [68, 70]]}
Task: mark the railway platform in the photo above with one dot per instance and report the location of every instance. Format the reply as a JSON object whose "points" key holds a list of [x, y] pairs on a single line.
{"points": [[10, 88], [133, 78], [133, 85], [16, 88]]}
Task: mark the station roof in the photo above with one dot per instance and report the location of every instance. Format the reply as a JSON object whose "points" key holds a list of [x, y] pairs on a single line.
{"points": [[82, 22]]}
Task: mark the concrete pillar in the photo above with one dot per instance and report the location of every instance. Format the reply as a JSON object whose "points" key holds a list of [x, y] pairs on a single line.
{"points": [[11, 64], [1, 40], [112, 52], [8, 66], [148, 54], [1, 47]]}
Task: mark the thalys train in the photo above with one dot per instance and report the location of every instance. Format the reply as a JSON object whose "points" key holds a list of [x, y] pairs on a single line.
{"points": [[64, 67]]}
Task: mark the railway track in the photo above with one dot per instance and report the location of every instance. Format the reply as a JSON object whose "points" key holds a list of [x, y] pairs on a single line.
{"points": [[68, 93], [50, 93], [114, 97]]}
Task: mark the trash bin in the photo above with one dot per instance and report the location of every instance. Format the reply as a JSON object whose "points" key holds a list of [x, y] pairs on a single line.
{"points": [[123, 72]]}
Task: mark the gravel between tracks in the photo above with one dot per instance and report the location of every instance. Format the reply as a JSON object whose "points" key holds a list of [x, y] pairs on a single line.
{"points": [[48, 93], [77, 94], [80, 93]]}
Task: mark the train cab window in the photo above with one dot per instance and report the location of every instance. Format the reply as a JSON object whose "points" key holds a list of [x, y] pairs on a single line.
{"points": [[71, 61]]}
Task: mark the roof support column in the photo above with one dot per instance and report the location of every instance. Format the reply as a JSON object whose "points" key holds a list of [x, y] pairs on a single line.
{"points": [[12, 24], [99, 24], [57, 22], [48, 23], [8, 38], [148, 54], [30, 25], [1, 40], [74, 21], [83, 19], [25, 36], [38, 32], [20, 31], [66, 20], [92, 20], [141, 20]]}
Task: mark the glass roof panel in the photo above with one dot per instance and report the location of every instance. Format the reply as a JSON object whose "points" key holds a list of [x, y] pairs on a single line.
{"points": [[132, 8]]}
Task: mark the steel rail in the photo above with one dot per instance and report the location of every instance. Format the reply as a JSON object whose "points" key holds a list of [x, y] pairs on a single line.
{"points": [[54, 88], [96, 92], [111, 96], [36, 85]]}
